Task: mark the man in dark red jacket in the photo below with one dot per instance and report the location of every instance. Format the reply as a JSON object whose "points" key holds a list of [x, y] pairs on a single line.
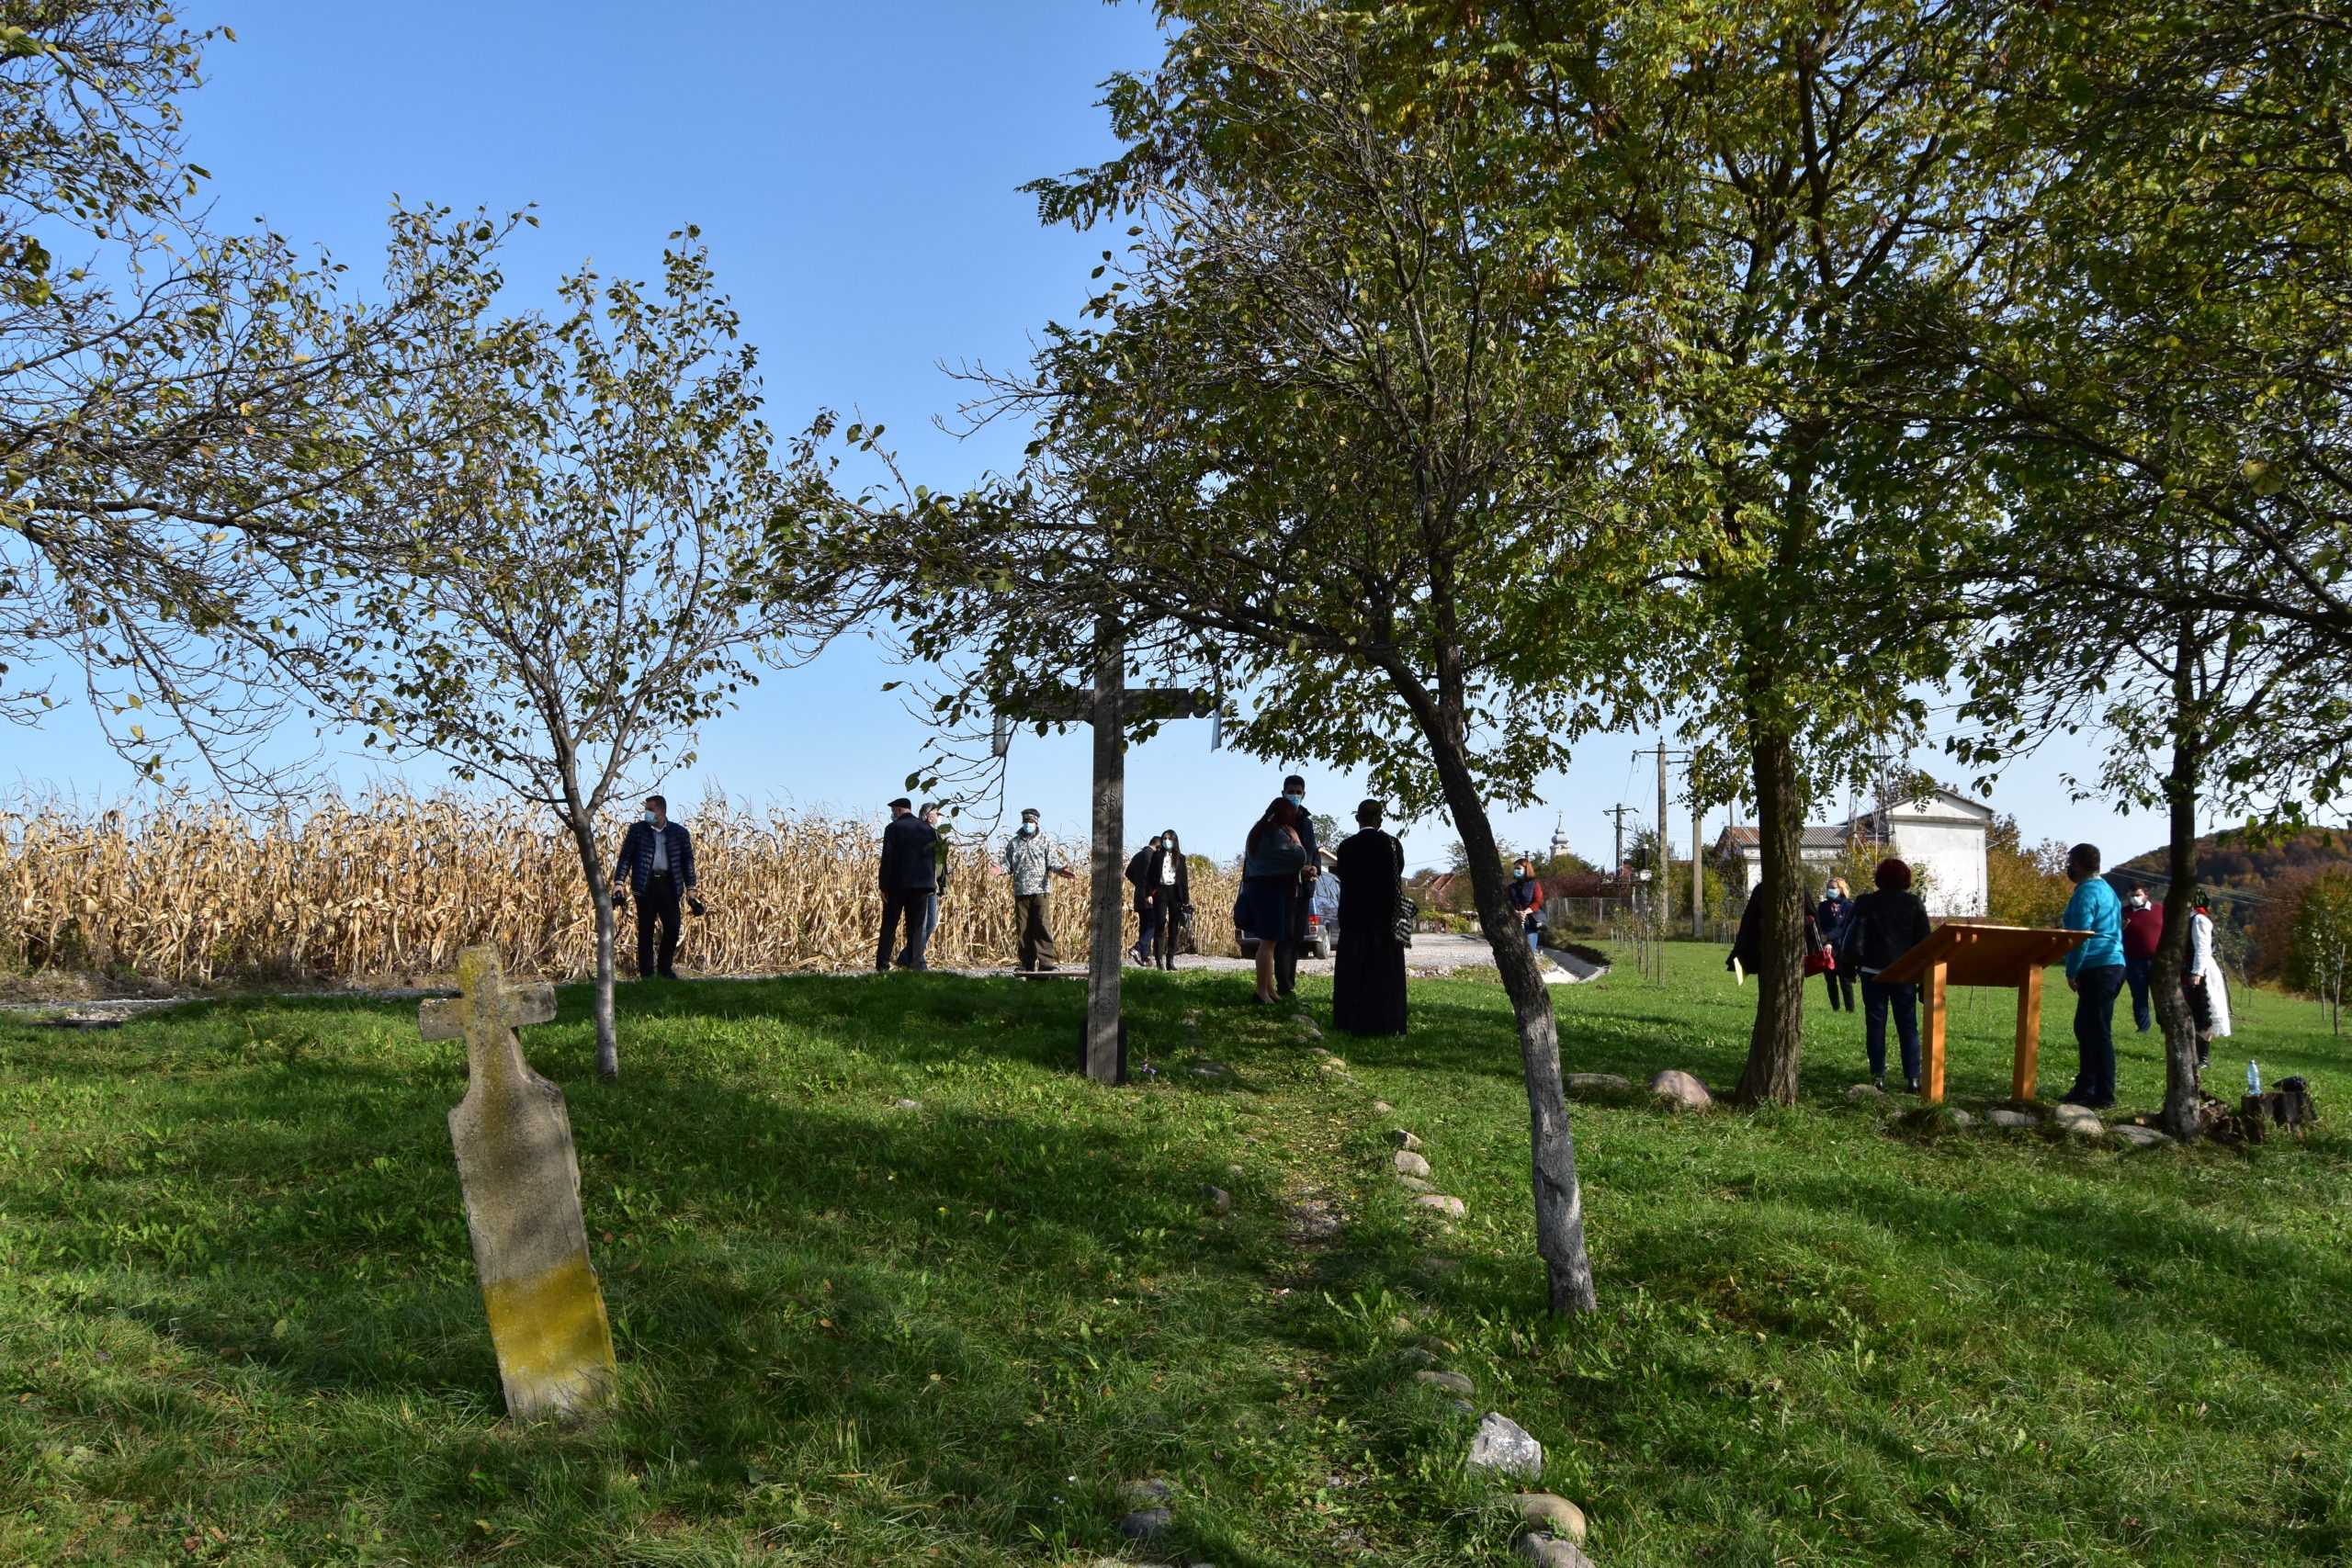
{"points": [[2144, 927]]}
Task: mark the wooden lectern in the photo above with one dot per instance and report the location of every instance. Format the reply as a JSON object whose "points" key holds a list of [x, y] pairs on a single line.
{"points": [[1967, 953]]}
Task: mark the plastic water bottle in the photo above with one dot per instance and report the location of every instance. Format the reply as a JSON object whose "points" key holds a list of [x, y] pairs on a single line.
{"points": [[2253, 1077]]}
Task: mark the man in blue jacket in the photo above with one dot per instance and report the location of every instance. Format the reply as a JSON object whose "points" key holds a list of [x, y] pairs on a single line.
{"points": [[2095, 973], [656, 867], [910, 874]]}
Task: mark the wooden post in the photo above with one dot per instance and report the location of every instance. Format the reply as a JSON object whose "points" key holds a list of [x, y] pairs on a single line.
{"points": [[2022, 1074], [1932, 1077], [1109, 904]]}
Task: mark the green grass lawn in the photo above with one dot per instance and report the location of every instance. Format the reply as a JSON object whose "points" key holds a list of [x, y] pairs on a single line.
{"points": [[239, 1323]]}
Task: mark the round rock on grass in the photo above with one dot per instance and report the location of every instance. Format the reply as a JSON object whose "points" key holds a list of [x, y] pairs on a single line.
{"points": [[2007, 1118], [1545, 1512], [1145, 1524], [1382, 1108], [1453, 1383], [1552, 1552], [1414, 1184], [2079, 1120], [1439, 1203], [1407, 1163], [1681, 1088], [906, 1105], [1402, 1139], [1147, 1493], [1219, 1198], [1870, 1096], [2139, 1136]]}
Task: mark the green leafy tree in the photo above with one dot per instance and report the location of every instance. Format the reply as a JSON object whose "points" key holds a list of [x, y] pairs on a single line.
{"points": [[2159, 403], [2323, 942], [1824, 189], [194, 422], [583, 594], [2183, 293], [1345, 430]]}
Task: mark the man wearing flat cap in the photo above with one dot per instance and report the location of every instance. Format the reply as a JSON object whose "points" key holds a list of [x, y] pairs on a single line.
{"points": [[910, 874], [1029, 859]]}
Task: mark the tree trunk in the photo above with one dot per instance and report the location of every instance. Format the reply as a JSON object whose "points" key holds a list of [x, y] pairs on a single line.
{"points": [[1559, 1202], [2182, 1088], [1776, 1042], [600, 891]]}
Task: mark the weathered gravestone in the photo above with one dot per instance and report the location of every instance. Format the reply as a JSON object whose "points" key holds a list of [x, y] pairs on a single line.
{"points": [[522, 1182]]}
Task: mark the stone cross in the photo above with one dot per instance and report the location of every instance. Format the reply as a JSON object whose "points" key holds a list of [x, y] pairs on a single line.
{"points": [[522, 1184]]}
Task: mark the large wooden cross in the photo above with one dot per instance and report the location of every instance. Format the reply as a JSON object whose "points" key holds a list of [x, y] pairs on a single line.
{"points": [[522, 1182], [1108, 707], [1973, 952]]}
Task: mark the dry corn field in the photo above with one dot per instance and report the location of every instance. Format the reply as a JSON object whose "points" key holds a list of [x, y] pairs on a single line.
{"points": [[199, 894]]}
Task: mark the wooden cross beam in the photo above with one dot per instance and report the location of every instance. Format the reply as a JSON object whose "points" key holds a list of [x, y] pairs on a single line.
{"points": [[1108, 706], [521, 1176]]}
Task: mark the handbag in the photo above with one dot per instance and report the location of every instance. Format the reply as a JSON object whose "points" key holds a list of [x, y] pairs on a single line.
{"points": [[1401, 921], [1820, 963]]}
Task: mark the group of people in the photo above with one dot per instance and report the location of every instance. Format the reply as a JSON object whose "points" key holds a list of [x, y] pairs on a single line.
{"points": [[1284, 881], [1287, 878], [1850, 941]]}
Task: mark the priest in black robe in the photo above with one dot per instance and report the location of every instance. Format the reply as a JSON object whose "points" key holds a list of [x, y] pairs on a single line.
{"points": [[1368, 976]]}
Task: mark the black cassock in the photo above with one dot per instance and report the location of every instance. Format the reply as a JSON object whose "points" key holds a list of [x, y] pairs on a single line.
{"points": [[1368, 976]]}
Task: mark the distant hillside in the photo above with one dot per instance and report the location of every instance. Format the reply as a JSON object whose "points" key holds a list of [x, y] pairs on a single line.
{"points": [[2224, 862], [2255, 889]]}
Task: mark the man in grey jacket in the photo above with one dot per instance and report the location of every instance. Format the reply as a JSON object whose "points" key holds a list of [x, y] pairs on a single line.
{"points": [[1029, 859]]}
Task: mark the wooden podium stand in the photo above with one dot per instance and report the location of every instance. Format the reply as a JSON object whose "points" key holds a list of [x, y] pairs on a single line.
{"points": [[1968, 953]]}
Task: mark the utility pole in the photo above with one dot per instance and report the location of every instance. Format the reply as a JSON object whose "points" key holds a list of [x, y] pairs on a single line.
{"points": [[1665, 852], [1617, 871], [1698, 870]]}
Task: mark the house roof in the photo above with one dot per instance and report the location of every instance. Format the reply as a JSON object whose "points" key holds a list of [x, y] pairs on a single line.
{"points": [[1816, 837]]}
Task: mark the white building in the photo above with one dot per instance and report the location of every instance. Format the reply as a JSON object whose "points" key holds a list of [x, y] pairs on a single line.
{"points": [[1941, 836]]}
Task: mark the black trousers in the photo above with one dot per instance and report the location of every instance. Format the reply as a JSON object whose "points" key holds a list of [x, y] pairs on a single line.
{"points": [[914, 906], [1838, 979], [1293, 938], [657, 907], [2095, 994], [1168, 933]]}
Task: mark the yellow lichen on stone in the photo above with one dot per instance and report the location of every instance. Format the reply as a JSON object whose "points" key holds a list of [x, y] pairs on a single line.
{"points": [[554, 1346]]}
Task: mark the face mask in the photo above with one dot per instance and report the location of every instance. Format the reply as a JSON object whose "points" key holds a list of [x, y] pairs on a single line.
{"points": [[651, 818], [1166, 844], [1027, 828], [1296, 800]]}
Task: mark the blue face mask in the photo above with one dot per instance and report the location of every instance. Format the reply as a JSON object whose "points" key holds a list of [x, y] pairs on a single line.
{"points": [[654, 819], [1296, 800], [1027, 828]]}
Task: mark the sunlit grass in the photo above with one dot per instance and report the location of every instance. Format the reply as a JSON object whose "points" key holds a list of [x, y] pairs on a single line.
{"points": [[238, 1310]]}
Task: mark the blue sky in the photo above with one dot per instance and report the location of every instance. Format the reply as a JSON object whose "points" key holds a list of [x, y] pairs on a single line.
{"points": [[854, 171]]}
